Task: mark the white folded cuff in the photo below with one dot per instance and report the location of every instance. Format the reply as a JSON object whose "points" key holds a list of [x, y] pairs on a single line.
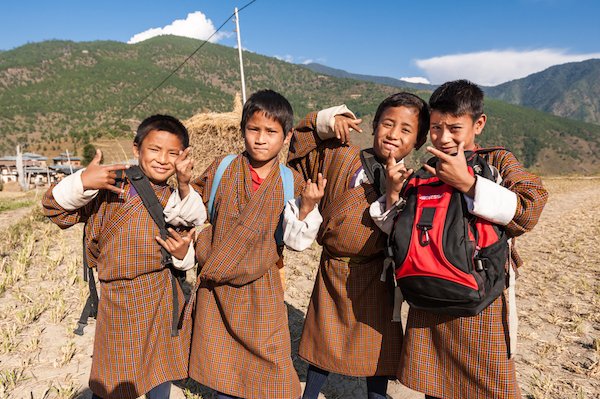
{"points": [[187, 212], [188, 261], [384, 219], [299, 234], [492, 202], [69, 192], [326, 120]]}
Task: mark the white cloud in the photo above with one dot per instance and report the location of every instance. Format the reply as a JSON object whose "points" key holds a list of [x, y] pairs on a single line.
{"points": [[416, 79], [493, 67], [285, 58], [307, 61], [196, 26]]}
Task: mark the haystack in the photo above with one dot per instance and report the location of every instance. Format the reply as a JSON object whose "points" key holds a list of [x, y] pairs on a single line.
{"points": [[214, 134]]}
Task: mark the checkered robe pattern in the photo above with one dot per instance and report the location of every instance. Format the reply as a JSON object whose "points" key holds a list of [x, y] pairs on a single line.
{"points": [[241, 340], [348, 328], [133, 347], [468, 357]]}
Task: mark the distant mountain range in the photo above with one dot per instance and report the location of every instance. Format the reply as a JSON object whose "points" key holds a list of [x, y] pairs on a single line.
{"points": [[570, 90], [58, 95]]}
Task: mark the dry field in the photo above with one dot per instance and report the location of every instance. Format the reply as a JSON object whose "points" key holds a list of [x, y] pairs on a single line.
{"points": [[42, 293]]}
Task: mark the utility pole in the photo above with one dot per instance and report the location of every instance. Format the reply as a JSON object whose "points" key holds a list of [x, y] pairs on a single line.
{"points": [[239, 43], [69, 161]]}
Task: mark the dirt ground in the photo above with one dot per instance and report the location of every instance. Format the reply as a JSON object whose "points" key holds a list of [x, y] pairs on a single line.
{"points": [[42, 293]]}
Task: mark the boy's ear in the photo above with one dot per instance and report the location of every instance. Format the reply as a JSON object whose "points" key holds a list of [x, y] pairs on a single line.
{"points": [[480, 124], [136, 151], [288, 137]]}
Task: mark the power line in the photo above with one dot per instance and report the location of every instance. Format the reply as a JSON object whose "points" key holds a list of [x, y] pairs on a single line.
{"points": [[181, 65]]}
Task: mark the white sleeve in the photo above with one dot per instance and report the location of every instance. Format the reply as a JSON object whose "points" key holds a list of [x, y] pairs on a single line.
{"points": [[299, 234], [188, 261], [69, 193], [326, 120], [492, 202], [187, 212], [382, 218]]}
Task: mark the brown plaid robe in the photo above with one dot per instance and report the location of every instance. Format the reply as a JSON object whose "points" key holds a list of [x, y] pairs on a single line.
{"points": [[241, 340], [348, 327], [133, 347], [468, 357]]}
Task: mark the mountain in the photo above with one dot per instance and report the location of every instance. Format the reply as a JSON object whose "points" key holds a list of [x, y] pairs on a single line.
{"points": [[571, 90], [59, 95], [383, 80]]}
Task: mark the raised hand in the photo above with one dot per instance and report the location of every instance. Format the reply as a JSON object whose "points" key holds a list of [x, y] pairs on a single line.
{"points": [[311, 195], [343, 125], [101, 177], [183, 167], [452, 169], [395, 176], [177, 244]]}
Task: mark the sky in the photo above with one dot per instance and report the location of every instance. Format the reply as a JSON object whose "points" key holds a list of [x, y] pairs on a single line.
{"points": [[488, 42]]}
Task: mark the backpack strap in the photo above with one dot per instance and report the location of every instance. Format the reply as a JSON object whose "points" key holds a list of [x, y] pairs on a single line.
{"points": [[142, 185], [225, 162], [374, 170], [287, 179]]}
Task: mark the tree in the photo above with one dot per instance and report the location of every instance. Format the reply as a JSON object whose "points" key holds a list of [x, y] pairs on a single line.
{"points": [[89, 152]]}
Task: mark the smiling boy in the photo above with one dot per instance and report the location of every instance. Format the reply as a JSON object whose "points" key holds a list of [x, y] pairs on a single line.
{"points": [[453, 357], [138, 348], [349, 328]]}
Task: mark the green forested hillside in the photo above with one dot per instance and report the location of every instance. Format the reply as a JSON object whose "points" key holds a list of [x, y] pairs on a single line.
{"points": [[60, 95]]}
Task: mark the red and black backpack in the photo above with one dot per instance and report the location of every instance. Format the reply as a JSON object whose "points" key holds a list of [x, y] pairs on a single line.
{"points": [[447, 260]]}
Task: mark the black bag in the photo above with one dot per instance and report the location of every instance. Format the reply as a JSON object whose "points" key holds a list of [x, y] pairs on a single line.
{"points": [[447, 260], [142, 185]]}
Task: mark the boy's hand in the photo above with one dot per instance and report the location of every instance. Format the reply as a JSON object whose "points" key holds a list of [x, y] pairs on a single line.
{"points": [[311, 195], [183, 168], [177, 244], [98, 177], [343, 125], [452, 170], [395, 176]]}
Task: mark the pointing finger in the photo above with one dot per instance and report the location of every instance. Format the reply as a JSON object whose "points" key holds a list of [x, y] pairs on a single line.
{"points": [[430, 169]]}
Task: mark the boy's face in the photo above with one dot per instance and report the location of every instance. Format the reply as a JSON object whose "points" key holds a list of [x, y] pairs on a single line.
{"points": [[263, 138], [447, 130], [396, 132], [157, 153]]}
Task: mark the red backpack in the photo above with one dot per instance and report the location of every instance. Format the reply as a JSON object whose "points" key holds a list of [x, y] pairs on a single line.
{"points": [[447, 260]]}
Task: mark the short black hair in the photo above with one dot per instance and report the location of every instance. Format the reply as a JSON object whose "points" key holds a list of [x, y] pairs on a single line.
{"points": [[273, 105], [166, 123], [457, 98], [405, 99]]}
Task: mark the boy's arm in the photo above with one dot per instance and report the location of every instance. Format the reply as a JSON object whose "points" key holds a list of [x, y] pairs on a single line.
{"points": [[309, 136], [67, 203], [531, 196], [189, 211], [301, 217]]}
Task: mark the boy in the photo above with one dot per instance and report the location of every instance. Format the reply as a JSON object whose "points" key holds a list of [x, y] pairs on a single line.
{"points": [[241, 341], [135, 352], [349, 328], [470, 357]]}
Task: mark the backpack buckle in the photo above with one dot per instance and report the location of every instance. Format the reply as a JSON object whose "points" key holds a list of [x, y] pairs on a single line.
{"points": [[424, 235]]}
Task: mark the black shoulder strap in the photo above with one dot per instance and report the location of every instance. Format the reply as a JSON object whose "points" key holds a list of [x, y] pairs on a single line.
{"points": [[142, 185], [374, 170]]}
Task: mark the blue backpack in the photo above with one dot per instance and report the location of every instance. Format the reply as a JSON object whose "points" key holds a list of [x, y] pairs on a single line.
{"points": [[287, 178]]}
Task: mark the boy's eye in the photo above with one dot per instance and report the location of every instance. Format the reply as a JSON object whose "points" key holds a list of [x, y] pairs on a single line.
{"points": [[387, 124]]}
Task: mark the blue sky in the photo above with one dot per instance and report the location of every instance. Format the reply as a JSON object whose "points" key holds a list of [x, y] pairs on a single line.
{"points": [[488, 42]]}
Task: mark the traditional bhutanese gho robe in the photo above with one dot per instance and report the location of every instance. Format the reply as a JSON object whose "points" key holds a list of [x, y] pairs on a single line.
{"points": [[133, 347], [348, 327], [241, 340]]}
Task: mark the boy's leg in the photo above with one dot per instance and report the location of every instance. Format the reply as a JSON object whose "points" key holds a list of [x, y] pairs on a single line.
{"points": [[377, 387], [162, 391], [315, 378]]}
